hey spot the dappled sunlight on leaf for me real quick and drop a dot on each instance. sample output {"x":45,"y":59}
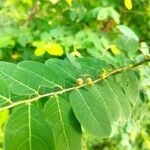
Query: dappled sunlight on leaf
{"x":15,"y":56}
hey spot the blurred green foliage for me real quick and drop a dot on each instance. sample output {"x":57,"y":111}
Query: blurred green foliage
{"x":89,"y":27}
{"x":28,"y":28}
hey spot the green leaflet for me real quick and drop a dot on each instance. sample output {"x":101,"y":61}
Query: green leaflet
{"x":122,"y":98}
{"x":92,"y":67}
{"x":64,"y":68}
{"x":92,"y":115}
{"x":112,"y":97}
{"x":18,"y":81}
{"x":44,"y":75}
{"x":130,"y":85}
{"x":28,"y":77}
{"x":66,"y":129}
{"x":128,"y":32}
{"x":127,"y":44}
{"x":27,"y":129}
{"x":73,"y":61}
{"x":5,"y":97}
{"x":107,"y":97}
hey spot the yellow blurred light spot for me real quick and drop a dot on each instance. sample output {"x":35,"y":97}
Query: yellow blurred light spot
{"x":128,"y":4}
{"x":54,"y":49}
{"x":1,"y":137}
{"x":28,"y":2}
{"x":54,"y":1}
{"x":3,"y":117}
{"x":15,"y":56}
{"x":114,"y":49}
{"x":147,"y":143}
{"x":104,"y":74}
{"x":133,"y":135}
{"x":38,"y":43}
{"x":69,"y":2}
{"x":10,"y":2}
{"x":39,"y":51}
{"x":76,"y":53}
{"x":131,"y":65}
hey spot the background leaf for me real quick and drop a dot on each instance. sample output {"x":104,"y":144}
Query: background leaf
{"x":128,"y":32}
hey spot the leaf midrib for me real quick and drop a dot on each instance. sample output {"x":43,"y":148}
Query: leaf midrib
{"x":62,"y":122}
{"x":6,"y":99}
{"x":19,"y":82}
{"x":64,"y":71}
{"x":29,"y":129}
{"x":26,"y":69}
{"x":88,"y":107}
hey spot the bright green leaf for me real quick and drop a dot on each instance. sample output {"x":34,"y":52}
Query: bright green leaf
{"x":127,"y":32}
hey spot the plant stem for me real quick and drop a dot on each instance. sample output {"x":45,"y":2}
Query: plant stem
{"x":102,"y":77}
{"x":33,"y":13}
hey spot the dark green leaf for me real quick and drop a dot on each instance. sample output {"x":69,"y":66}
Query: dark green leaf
{"x":92,"y":115}
{"x":66,"y":129}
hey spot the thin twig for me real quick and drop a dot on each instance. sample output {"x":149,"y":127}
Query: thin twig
{"x":34,"y":10}
{"x":113,"y":72}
